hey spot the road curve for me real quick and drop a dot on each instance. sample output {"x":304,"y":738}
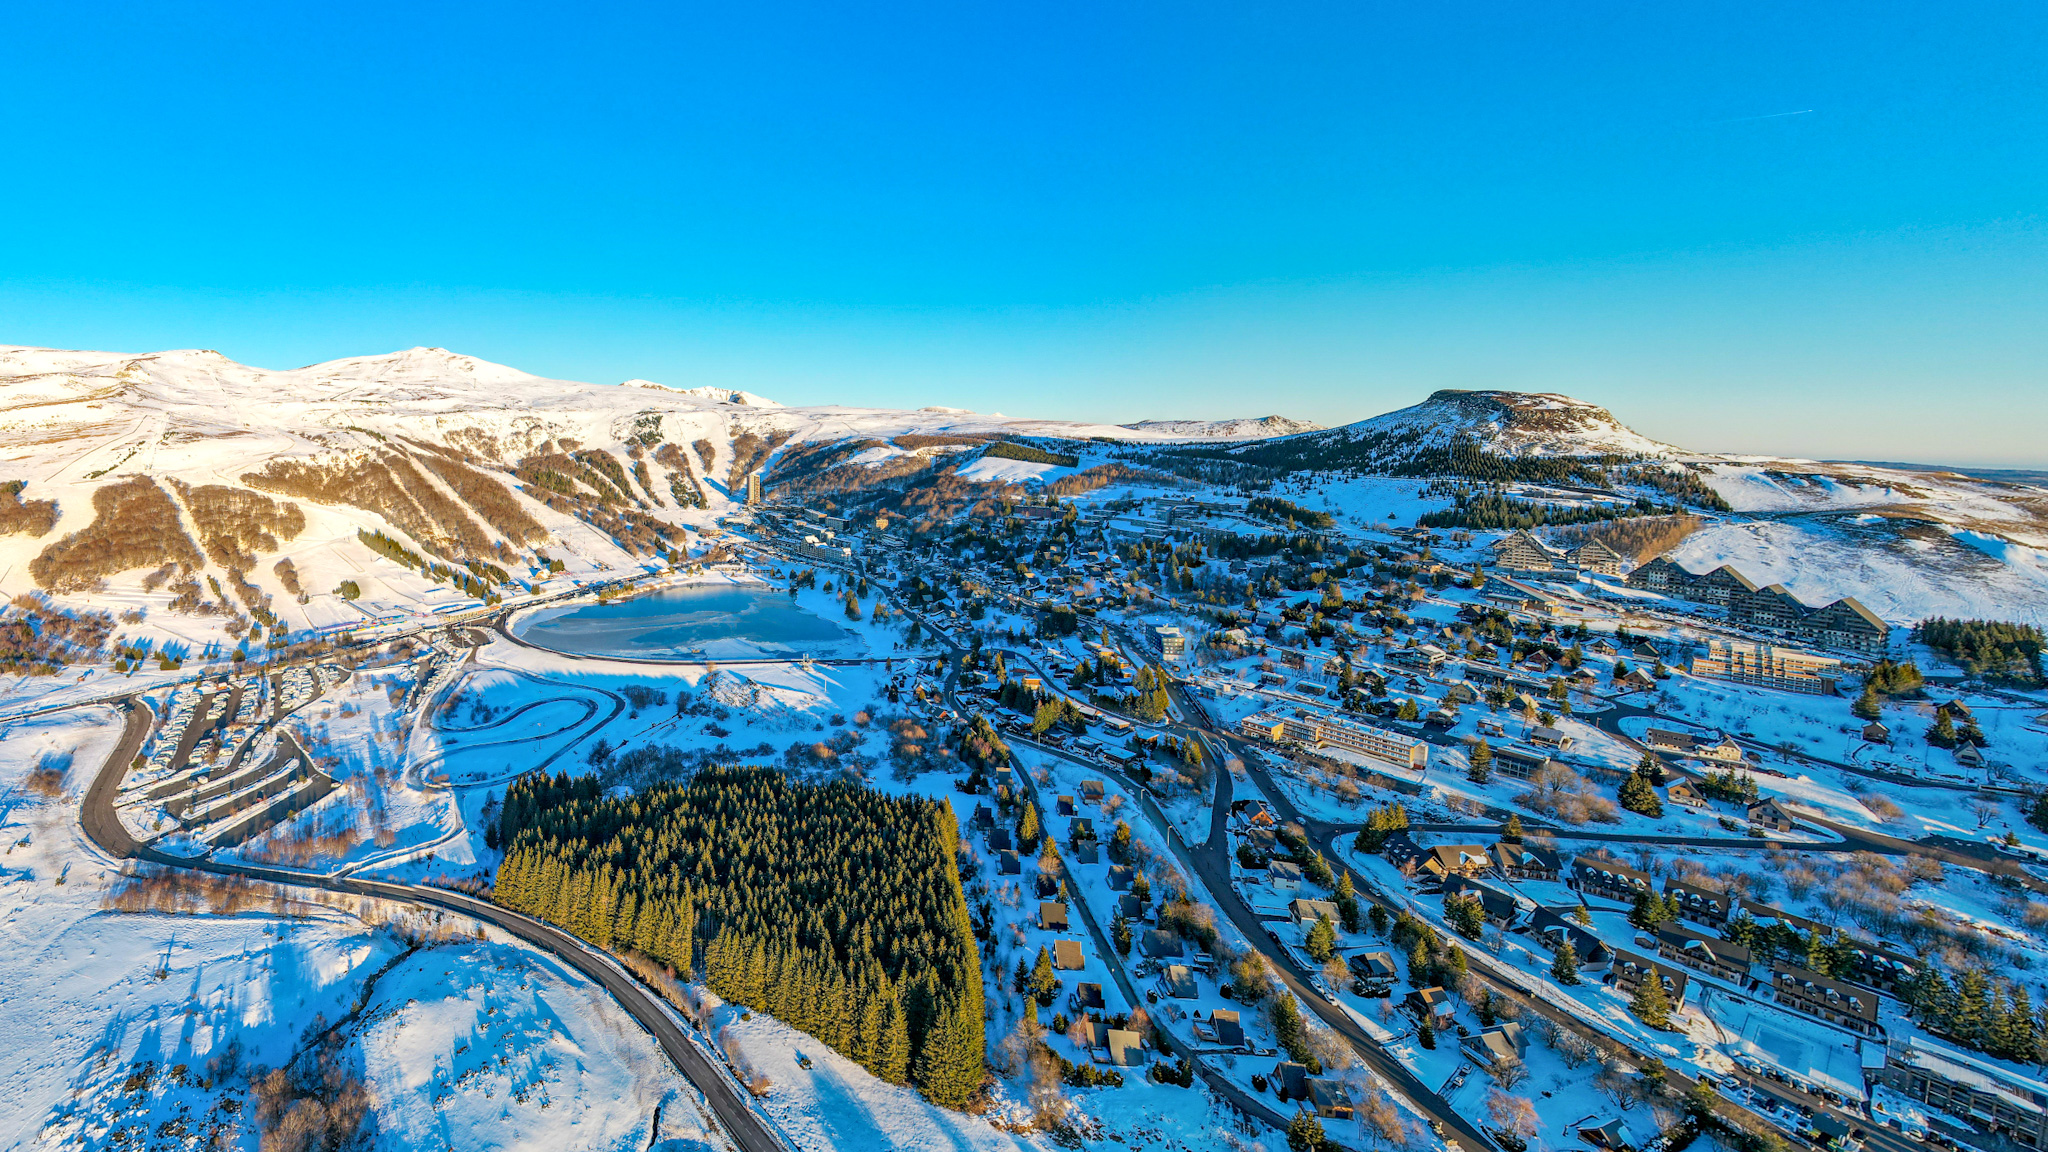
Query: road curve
{"x":100,"y":824}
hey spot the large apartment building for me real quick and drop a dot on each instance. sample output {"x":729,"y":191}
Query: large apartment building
{"x":1981,"y":1093}
{"x":1767,"y":666}
{"x":1321,"y":730}
{"x":1843,"y":623}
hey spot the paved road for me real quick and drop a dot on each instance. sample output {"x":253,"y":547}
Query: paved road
{"x":748,"y":1129}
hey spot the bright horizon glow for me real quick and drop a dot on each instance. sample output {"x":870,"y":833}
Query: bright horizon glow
{"x":1811,"y":233}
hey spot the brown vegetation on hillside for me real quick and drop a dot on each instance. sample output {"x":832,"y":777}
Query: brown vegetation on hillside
{"x":682,"y":483}
{"x":231,"y":521}
{"x":134,"y":525}
{"x":704,"y":452}
{"x":37,"y":639}
{"x":288,"y":575}
{"x":20,"y":517}
{"x":646,"y":481}
{"x":635,"y":531}
{"x":1103,"y":475}
{"x":748,"y":451}
{"x":490,"y":498}
{"x":389,"y":485}
{"x":1637,"y":539}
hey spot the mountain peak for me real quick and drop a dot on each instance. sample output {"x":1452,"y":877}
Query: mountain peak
{"x":1515,"y":424}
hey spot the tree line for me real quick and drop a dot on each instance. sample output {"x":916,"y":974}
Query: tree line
{"x":833,"y":907}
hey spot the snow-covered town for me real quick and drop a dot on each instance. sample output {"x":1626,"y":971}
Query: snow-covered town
{"x":1271,"y":791}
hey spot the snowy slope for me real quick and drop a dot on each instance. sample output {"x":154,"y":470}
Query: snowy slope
{"x":1246,"y":428}
{"x":1505,"y":423}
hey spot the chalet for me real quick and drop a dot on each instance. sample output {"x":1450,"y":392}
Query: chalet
{"x":1723,"y":958}
{"x":1224,"y":1027}
{"x":1519,"y":763}
{"x":1630,"y":970}
{"x":1843,"y":1005}
{"x":1874,"y":966}
{"x":1086,"y":1031}
{"x":1460,"y":693}
{"x":1602,"y":648}
{"x":1433,"y":1005}
{"x":999,"y":840}
{"x":1064,"y":806}
{"x":1497,"y":1045}
{"x":984,"y":819}
{"x":1611,"y":1135}
{"x":1309,"y":911}
{"x":1682,"y":792}
{"x":1130,"y":907}
{"x":1556,"y":929}
{"x":1456,"y":860}
{"x":1401,"y":850}
{"x":1177,"y":982}
{"x":1120,"y":877}
{"x":1606,"y":878}
{"x":1372,"y":965}
{"x":1290,"y":1080}
{"x":1646,"y":651}
{"x":1523,"y":862}
{"x":1501,"y":909}
{"x":1080,"y":828}
{"x":1331,"y":1099}
{"x":1066,"y":956}
{"x":1052,"y":916}
{"x":1767,"y":815}
{"x":1284,"y":876}
{"x":1546,"y":737}
{"x":1161,"y":944}
{"x":1126,"y":1048}
{"x":1087,"y":998}
{"x":1086,"y":852}
{"x":1007,"y":863}
{"x":1427,"y":659}
{"x":1685,"y":744}
{"x":1702,"y":905}
{"x":1876,"y":733}
{"x":1263,"y":840}
{"x":1092,"y":792}
{"x":1636,"y":680}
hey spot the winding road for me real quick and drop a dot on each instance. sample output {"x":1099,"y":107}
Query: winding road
{"x":746,"y":1126}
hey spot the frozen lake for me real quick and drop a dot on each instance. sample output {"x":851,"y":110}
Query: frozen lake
{"x":694,"y":622}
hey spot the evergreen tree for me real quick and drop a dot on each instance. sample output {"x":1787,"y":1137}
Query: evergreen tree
{"x":1972,"y":1018}
{"x":1322,"y":940}
{"x":1637,"y":796}
{"x":1565,"y":968}
{"x":1377,"y":917}
{"x":949,"y":1064}
{"x":1652,"y":1005}
{"x":1868,"y":706}
{"x":1511,"y":832}
{"x":2017,"y":1038}
{"x":1044,"y":984}
{"x":1305,"y":1133}
{"x":1027,"y":827}
{"x":1480,"y":763}
{"x":1943,"y":733}
{"x":1426,"y":1034}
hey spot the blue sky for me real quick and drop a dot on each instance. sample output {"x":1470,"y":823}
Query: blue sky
{"x":1094,"y":211}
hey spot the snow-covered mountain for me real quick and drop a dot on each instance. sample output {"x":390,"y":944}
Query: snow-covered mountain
{"x":1505,"y":424}
{"x":1244,"y":428}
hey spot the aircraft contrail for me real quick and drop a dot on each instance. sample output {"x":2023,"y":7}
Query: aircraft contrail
{"x":1771,"y":116}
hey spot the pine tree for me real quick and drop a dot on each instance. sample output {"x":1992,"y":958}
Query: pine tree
{"x":1322,"y":940}
{"x":1565,"y":968}
{"x":1637,"y":796}
{"x":1972,"y":1017}
{"x":1652,"y":1005}
{"x":1426,"y":1034}
{"x":1305,"y":1133}
{"x":949,"y":1065}
{"x":1868,"y":706}
{"x":1943,"y":733}
{"x":1511,"y":832}
{"x":1480,"y":763}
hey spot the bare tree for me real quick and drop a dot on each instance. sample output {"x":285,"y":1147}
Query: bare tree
{"x":1508,"y":1073}
{"x":1380,"y":1122}
{"x":1514,"y":1115}
{"x":1617,"y":1085}
{"x":1985,"y":811}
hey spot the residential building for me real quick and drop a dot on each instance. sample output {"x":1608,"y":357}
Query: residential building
{"x":1843,"y":624}
{"x":1177,"y":981}
{"x":1161,"y":944}
{"x":1086,"y":998}
{"x":1126,"y":1048}
{"x":1052,"y":916}
{"x":1718,"y":748}
{"x":1322,"y":730}
{"x":1501,"y":909}
{"x":1837,"y":1003}
{"x":1980,"y":1093}
{"x":1630,"y":970}
{"x":1284,"y":875}
{"x":1723,"y":958}
{"x":1702,"y":905}
{"x":1309,"y":911}
{"x":1555,"y":930}
{"x":1169,"y":641}
{"x":1519,"y":763}
{"x":1433,"y":1005}
{"x":1546,"y":737}
{"x":1066,"y":956}
{"x":1609,"y":879}
{"x":1593,"y":556}
{"x":1612,"y":1135}
{"x":1522,"y":862}
{"x":1378,"y":965}
{"x":1290,"y":1080}
{"x":1765,"y":666}
{"x":1498,"y":1044}
{"x":1768,"y":815}
{"x":1427,"y":659}
{"x":1521,"y":551}
{"x":1331,"y":1099}
{"x":1457,"y":860}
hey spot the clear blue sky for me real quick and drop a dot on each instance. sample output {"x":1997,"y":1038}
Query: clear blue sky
{"x":1094,"y":211}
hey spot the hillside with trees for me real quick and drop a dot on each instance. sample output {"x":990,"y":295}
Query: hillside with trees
{"x":832,"y":907}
